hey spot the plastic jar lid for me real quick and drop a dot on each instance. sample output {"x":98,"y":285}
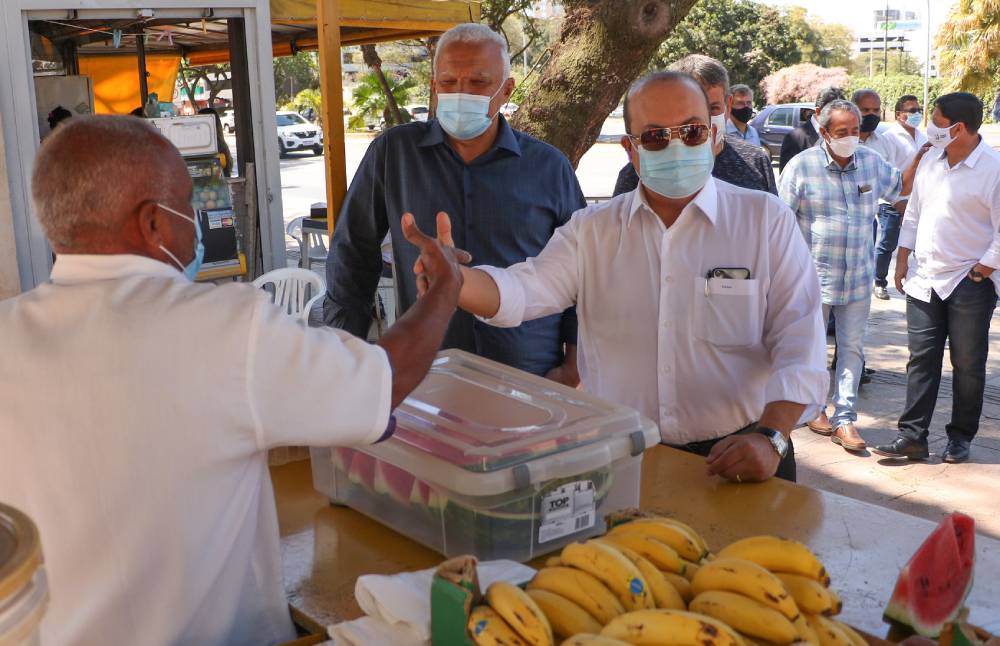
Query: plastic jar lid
{"x":23,"y":588}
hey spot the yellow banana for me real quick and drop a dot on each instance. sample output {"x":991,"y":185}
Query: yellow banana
{"x":520,"y":612}
{"x":682,"y":585}
{"x":675,"y":627}
{"x":806,"y":633}
{"x":810,"y":595}
{"x":660,"y":554}
{"x":690,"y":569}
{"x":613,"y":569}
{"x":487,"y":628}
{"x":745,"y":615}
{"x":835,"y":601}
{"x":553,"y":561}
{"x":592,"y":640}
{"x":851,"y":634}
{"x":829,"y":633}
{"x":778,"y":555}
{"x":565,"y":617}
{"x":582,"y":588}
{"x":684,"y":543}
{"x":665,"y":595}
{"x":749,"y":579}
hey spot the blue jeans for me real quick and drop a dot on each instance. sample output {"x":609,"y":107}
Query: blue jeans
{"x":852,"y":323}
{"x":888,"y":223}
{"x":963,"y":319}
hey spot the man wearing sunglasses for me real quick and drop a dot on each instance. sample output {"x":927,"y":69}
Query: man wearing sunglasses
{"x":697,"y":300}
{"x":737,"y":161}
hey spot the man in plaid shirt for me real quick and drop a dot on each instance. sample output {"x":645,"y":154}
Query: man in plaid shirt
{"x":834,"y":189}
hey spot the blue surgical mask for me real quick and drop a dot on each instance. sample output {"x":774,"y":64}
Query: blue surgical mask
{"x":465,"y":116}
{"x":676,"y":171}
{"x":914,"y":119}
{"x":191,"y":269}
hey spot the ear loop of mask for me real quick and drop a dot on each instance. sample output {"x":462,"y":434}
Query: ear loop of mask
{"x":190,"y":219}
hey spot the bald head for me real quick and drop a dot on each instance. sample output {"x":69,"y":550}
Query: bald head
{"x":652,"y":101}
{"x":93,"y":173}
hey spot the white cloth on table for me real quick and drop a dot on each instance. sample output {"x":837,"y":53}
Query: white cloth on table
{"x":398,"y":606}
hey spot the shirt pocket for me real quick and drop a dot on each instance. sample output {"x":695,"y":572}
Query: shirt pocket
{"x":727,"y":312}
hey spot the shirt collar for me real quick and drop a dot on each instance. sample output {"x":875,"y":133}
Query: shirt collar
{"x":505,"y":136}
{"x":971,"y":160}
{"x":705,"y":201}
{"x":73,"y":269}
{"x":815,"y":123}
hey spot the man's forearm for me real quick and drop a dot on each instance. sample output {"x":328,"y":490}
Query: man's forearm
{"x":782,"y":416}
{"x":480,"y":295}
{"x":902,"y":255}
{"x":413,"y":341}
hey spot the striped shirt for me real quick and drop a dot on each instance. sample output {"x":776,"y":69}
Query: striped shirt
{"x":835,"y":207}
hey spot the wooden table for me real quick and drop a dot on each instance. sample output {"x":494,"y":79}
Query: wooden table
{"x":325,"y":548}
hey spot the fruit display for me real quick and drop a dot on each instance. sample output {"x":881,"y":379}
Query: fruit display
{"x":653,"y":580}
{"x":935,"y":582}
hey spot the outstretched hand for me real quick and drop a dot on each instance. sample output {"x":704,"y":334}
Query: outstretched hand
{"x":439,"y":259}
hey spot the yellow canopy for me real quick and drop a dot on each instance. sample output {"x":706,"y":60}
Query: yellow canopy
{"x":436,"y":15}
{"x":116,"y":79}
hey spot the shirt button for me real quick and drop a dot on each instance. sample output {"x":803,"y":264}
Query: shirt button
{"x":669,"y":279}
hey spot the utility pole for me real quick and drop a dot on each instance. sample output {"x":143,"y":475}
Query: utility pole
{"x":885,"y":41}
{"x":927,"y":62}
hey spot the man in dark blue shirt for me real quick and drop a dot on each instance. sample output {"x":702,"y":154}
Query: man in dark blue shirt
{"x":505,"y":192}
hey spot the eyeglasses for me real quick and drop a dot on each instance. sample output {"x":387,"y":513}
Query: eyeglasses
{"x":691,"y":134}
{"x":911,"y":110}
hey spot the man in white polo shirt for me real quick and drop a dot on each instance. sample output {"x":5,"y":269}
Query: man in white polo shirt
{"x":949,"y":249}
{"x":137,"y":407}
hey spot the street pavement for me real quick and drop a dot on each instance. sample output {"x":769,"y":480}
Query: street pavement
{"x":928,"y":489}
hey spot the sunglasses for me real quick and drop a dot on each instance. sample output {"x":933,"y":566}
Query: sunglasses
{"x":692,"y":134}
{"x":911,"y":110}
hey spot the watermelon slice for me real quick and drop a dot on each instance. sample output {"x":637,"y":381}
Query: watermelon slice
{"x":420,"y":493}
{"x":393,"y":481}
{"x":362,"y":471}
{"x":933,"y":586}
{"x":342,"y":459}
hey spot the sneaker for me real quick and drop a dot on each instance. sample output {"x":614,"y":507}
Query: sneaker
{"x":881,"y":293}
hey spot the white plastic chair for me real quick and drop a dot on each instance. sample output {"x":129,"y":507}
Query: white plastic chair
{"x":292,"y":287}
{"x":311,"y":246}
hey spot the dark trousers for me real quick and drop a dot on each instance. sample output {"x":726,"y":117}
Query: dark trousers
{"x":886,"y":237}
{"x":963,"y":319}
{"x":786,"y":468}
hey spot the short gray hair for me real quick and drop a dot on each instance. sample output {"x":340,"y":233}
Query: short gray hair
{"x":863,"y":92}
{"x":474,"y":33}
{"x":91,"y":172}
{"x":837,"y":105}
{"x":742,"y":90}
{"x":705,"y":69}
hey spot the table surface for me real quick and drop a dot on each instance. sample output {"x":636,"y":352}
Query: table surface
{"x":325,"y":548}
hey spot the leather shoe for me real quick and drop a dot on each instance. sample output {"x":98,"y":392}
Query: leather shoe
{"x":848,"y":437}
{"x":881,"y":293}
{"x":957,"y":452}
{"x":821,"y":425}
{"x":903,"y":448}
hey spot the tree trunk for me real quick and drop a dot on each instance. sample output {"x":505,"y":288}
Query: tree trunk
{"x":431,"y":44}
{"x":373,"y":61}
{"x":603,"y":47}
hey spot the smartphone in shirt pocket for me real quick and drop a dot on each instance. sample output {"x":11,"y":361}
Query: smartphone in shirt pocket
{"x":727,"y":308}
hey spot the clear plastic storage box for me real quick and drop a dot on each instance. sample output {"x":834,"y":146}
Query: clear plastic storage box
{"x":492,"y":461}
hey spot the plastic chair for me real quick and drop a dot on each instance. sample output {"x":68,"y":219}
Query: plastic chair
{"x":291,"y":285}
{"x":311,"y":246}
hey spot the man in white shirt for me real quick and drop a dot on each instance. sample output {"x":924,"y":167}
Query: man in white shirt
{"x":137,"y":407}
{"x":949,"y":249}
{"x":698,"y":301}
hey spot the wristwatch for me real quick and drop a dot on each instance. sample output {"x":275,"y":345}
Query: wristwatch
{"x":776,"y":438}
{"x":976,"y":276}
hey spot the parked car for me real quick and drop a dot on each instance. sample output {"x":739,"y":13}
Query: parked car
{"x":776,"y":121}
{"x":228,"y":120}
{"x":418,"y":112}
{"x":508,"y":110}
{"x":296,"y":133}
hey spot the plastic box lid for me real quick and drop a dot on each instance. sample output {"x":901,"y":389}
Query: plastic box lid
{"x":193,"y":135}
{"x":481,"y":427}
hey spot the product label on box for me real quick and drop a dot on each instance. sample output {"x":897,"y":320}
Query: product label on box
{"x":567,"y":510}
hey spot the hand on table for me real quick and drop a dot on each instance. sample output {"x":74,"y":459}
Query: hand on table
{"x":439,"y":261}
{"x":743,"y":458}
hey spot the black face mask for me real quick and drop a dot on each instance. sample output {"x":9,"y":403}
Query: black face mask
{"x":869,"y":122}
{"x":743,"y":115}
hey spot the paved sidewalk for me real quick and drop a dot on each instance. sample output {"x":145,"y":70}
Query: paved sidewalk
{"x":923,"y":489}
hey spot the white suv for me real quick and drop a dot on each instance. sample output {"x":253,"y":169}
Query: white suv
{"x":296,"y":133}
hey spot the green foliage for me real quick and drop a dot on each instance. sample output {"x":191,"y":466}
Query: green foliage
{"x":900,"y":63}
{"x":309,"y":98}
{"x":292,"y":74}
{"x":515,"y":21}
{"x":894,"y":86}
{"x":369,"y":100}
{"x":969,"y":46}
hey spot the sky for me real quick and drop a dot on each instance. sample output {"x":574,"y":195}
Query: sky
{"x":858,"y":15}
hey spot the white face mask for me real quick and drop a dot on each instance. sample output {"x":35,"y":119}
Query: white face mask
{"x":940,"y":138}
{"x":843,"y":147}
{"x":719,"y":121}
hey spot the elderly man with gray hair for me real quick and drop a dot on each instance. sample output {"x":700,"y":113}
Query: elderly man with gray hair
{"x":834,"y":189}
{"x":138,"y":407}
{"x":506,"y":193}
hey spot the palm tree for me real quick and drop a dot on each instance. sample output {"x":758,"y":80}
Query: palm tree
{"x":969,"y":43}
{"x":369,"y":98}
